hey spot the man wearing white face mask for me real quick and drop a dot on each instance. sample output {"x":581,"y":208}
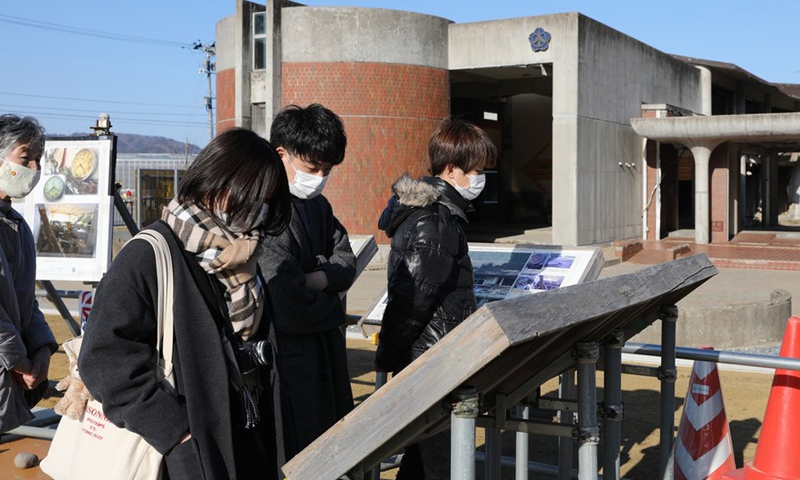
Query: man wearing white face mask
{"x":305,"y":269}
{"x":26,"y":341}
{"x":429,"y":268}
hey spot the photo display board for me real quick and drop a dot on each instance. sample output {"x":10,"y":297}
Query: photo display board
{"x":70,"y":210}
{"x":507,"y":271}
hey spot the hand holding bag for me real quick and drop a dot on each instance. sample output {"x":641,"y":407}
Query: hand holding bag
{"x":93,"y":448}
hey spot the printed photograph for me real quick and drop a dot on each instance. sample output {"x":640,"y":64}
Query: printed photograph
{"x":66,"y":230}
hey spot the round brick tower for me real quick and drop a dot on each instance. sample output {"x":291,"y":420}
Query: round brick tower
{"x":390,"y":95}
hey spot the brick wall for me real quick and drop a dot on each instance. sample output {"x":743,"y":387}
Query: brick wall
{"x":389,"y":112}
{"x":226,"y":99}
{"x":719,"y":172}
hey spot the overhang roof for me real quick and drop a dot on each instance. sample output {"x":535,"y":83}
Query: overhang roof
{"x":714,"y":130}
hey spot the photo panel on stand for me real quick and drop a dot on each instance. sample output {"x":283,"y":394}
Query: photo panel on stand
{"x":70,"y":210}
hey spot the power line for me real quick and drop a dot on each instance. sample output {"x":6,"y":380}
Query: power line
{"x":137,"y":121}
{"x":95,"y":100}
{"x":49,"y":108}
{"x":25,"y":22}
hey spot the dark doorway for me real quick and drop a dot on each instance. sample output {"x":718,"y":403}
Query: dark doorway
{"x":685,"y":204}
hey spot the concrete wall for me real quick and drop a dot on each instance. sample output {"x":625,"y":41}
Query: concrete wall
{"x":601,"y":78}
{"x":385,"y":73}
{"x":752,"y":323}
{"x":234,"y":61}
{"x":617,"y":74}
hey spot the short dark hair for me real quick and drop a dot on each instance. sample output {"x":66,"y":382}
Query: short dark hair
{"x":16,"y":130}
{"x":243,"y":167}
{"x":314,"y":133}
{"x":462,"y":144}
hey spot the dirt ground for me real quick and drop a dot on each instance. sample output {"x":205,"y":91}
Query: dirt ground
{"x":745,"y":396}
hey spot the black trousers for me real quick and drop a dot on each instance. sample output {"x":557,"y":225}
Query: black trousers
{"x":428,"y":459}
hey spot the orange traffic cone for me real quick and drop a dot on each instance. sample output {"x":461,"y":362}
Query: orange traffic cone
{"x":778,"y":450}
{"x":703,"y":449}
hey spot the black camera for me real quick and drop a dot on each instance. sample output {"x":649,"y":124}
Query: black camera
{"x":260,"y":352}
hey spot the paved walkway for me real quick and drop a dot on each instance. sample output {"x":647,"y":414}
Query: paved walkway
{"x":773,"y":250}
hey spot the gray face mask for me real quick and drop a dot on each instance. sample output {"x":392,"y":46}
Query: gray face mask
{"x":252,"y":221}
{"x":17,"y":181}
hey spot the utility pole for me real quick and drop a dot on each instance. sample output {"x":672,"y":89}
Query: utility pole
{"x":208,"y":69}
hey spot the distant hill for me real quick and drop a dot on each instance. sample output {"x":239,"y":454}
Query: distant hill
{"x":134,"y":143}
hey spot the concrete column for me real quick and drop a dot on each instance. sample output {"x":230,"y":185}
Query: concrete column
{"x":702,"y":212}
{"x":705,"y":89}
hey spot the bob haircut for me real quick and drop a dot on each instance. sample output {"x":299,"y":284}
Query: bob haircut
{"x":15,"y":130}
{"x":314,"y":133}
{"x":241,"y":170}
{"x":462,"y":144}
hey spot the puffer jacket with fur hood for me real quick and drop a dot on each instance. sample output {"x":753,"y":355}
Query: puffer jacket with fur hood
{"x":429,"y":269}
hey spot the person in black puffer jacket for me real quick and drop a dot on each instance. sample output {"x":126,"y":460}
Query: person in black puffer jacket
{"x":430,"y":289}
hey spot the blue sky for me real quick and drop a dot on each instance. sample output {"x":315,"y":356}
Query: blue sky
{"x":135,"y":60}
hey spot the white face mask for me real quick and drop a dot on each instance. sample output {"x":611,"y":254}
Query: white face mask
{"x":476,"y":184}
{"x":305,"y":185}
{"x":245,"y":226}
{"x":17,"y":181}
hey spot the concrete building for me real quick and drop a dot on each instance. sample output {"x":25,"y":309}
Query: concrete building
{"x":557,"y":93}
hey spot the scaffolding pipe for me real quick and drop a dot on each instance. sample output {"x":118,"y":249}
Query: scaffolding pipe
{"x":717,"y":356}
{"x":462,"y":419}
{"x":669,"y":316}
{"x":492,"y":442}
{"x":566,"y":389}
{"x":587,"y":354}
{"x":521,"y":466}
{"x":537,"y":467}
{"x":612,"y":403}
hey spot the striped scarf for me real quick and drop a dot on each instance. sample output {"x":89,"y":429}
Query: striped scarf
{"x":231,"y":257}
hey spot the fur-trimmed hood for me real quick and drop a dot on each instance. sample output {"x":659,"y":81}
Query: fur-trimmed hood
{"x":414,"y":193}
{"x":410,"y":195}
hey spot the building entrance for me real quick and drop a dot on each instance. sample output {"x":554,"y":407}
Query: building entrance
{"x":513,"y":104}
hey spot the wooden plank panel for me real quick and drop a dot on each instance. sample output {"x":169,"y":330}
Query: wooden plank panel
{"x":500,"y":346}
{"x":404,"y":398}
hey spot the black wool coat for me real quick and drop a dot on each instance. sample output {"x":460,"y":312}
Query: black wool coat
{"x":312,"y":391}
{"x":116,"y":365}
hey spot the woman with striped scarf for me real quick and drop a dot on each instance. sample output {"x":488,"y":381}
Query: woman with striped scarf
{"x":217,"y":423}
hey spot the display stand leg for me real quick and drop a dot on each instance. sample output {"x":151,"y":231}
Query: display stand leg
{"x":55,"y":298}
{"x":521,"y":463}
{"x":462,"y":450}
{"x":587,"y":354}
{"x":667,"y":374}
{"x":612,"y":404}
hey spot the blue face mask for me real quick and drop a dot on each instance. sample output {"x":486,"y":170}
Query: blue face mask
{"x":476,"y":184}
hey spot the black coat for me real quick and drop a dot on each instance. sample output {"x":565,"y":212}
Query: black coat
{"x":429,"y":270}
{"x":313,"y":387}
{"x":116,"y":365}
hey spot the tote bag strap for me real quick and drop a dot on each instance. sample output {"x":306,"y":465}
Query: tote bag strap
{"x":166,"y":333}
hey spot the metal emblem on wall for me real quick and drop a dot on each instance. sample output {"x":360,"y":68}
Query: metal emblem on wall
{"x":540,"y":40}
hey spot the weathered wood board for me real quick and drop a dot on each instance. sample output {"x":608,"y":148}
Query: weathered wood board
{"x":497,"y":350}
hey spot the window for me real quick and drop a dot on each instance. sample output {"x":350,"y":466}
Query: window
{"x":259,"y":41}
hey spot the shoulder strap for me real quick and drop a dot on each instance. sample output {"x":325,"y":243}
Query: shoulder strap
{"x":165,"y":334}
